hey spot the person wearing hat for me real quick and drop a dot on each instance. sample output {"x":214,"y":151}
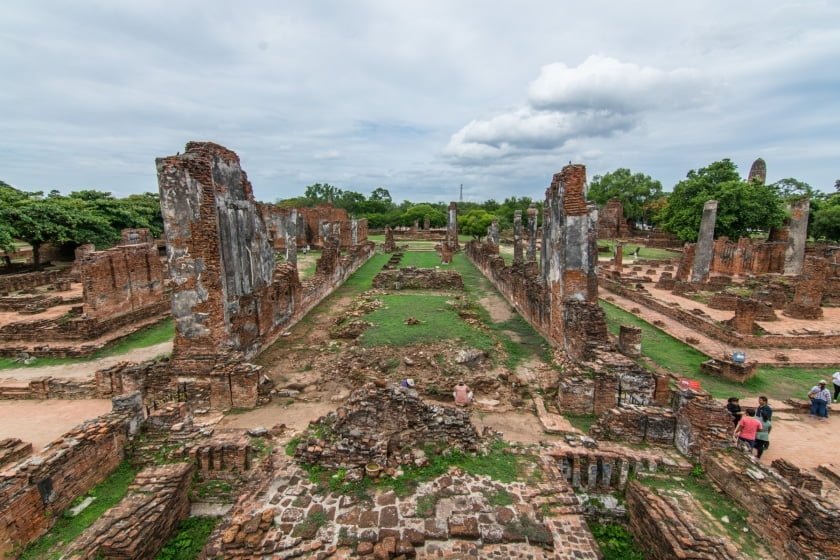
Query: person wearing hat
{"x":819,"y":396}
{"x":407,"y":383}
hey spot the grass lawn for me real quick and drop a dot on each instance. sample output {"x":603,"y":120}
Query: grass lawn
{"x":438,"y":321}
{"x":644,"y":252}
{"x":154,"y":334}
{"x":683,"y":360}
{"x":107,"y":493}
{"x":424,"y":259}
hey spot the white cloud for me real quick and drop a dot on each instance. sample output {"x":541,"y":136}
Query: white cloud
{"x":598,"y":98}
{"x":604,"y":83}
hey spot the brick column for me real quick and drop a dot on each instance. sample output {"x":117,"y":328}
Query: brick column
{"x":531,"y":254}
{"x":630,"y":341}
{"x":795,"y":251}
{"x":618,"y":262}
{"x":517,"y":237}
{"x":809,"y":292}
{"x":705,"y":243}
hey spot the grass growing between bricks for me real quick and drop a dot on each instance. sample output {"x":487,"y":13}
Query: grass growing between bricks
{"x":189,"y":538}
{"x":108,"y":493}
{"x":616,"y":542}
{"x":717,"y":504}
{"x":681,"y":359}
{"x":163,"y":331}
{"x":644,"y":252}
{"x":499,"y":463}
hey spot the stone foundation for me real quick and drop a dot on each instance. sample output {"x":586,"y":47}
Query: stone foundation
{"x":411,"y":278}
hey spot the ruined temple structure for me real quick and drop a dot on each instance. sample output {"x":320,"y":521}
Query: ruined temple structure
{"x":559,"y":298}
{"x":229,"y":298}
{"x":611,"y":221}
{"x":390,"y":245}
{"x":758,"y":171}
{"x":306,"y":226}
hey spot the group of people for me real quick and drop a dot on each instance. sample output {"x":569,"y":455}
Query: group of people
{"x":752,"y":425}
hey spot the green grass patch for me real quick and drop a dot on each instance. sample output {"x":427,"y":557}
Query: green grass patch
{"x":716,"y":503}
{"x":107,"y":493}
{"x":581,"y":421}
{"x":616,"y":542}
{"x":427,"y":504}
{"x":190,"y":536}
{"x":212,"y":489}
{"x":684,"y":361}
{"x":421,"y":259}
{"x":499,"y":498}
{"x":438,"y":321}
{"x":149,"y":336}
{"x":644,"y":252}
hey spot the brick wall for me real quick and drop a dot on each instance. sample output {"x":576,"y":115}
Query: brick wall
{"x":121,"y":280}
{"x":795,"y":522}
{"x":34,"y":492}
{"x":143,"y":521}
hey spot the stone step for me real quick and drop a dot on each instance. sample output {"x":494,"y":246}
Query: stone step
{"x":552,"y":423}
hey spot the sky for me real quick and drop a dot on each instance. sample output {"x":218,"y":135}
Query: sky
{"x":417,"y":97}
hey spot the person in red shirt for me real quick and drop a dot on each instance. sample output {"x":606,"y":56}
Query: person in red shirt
{"x":747,"y":427}
{"x":462,"y":394}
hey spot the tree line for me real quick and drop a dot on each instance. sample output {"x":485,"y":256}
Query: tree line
{"x":746,"y":207}
{"x":86,"y":216}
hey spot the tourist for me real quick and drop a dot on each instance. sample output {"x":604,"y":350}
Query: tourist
{"x":746,"y":429}
{"x":762,"y":436}
{"x":835,"y":377}
{"x":462,"y":394}
{"x":734,"y":409}
{"x":763,"y":411}
{"x":407,"y":383}
{"x":819,"y":396}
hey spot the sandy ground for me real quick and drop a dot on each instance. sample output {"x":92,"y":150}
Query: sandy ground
{"x":87,"y":369}
{"x":518,"y":427}
{"x":712,"y":347}
{"x":295,"y":416}
{"x":805,"y":441}
{"x":40,"y":422}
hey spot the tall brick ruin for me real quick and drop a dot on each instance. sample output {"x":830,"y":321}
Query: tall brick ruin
{"x":611,"y":221}
{"x":531,"y":254}
{"x":452,"y":227}
{"x":758,"y":171}
{"x":797,"y":236}
{"x":225,"y":301}
{"x":704,"y":249}
{"x":570,"y":237}
{"x":517,"y":237}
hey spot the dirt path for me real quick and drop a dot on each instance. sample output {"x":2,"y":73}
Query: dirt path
{"x":40,"y":422}
{"x":712,"y":347}
{"x":86,"y":369}
{"x":295,"y":416}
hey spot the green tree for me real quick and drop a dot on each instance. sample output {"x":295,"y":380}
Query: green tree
{"x":37,"y":219}
{"x":743,"y":207}
{"x":793,"y":189}
{"x":418,"y":212}
{"x":320,"y":193}
{"x":475,"y":222}
{"x":636,"y":191}
{"x":826,"y":223}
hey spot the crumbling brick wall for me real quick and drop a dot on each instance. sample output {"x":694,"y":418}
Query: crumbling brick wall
{"x":703,"y":426}
{"x":611,"y":221}
{"x":665,"y":531}
{"x":30,"y":280}
{"x":795,"y":522}
{"x":34,"y":492}
{"x":121,"y":280}
{"x":411,"y":278}
{"x":143,"y":521}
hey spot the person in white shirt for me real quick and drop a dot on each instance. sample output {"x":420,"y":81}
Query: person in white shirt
{"x":820,"y":398}
{"x":835,"y":377}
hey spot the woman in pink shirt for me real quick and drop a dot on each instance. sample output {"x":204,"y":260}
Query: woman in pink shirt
{"x":747,"y":427}
{"x":462,"y":394}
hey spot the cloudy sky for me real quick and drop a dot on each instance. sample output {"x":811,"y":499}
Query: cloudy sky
{"x":417,"y":97}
